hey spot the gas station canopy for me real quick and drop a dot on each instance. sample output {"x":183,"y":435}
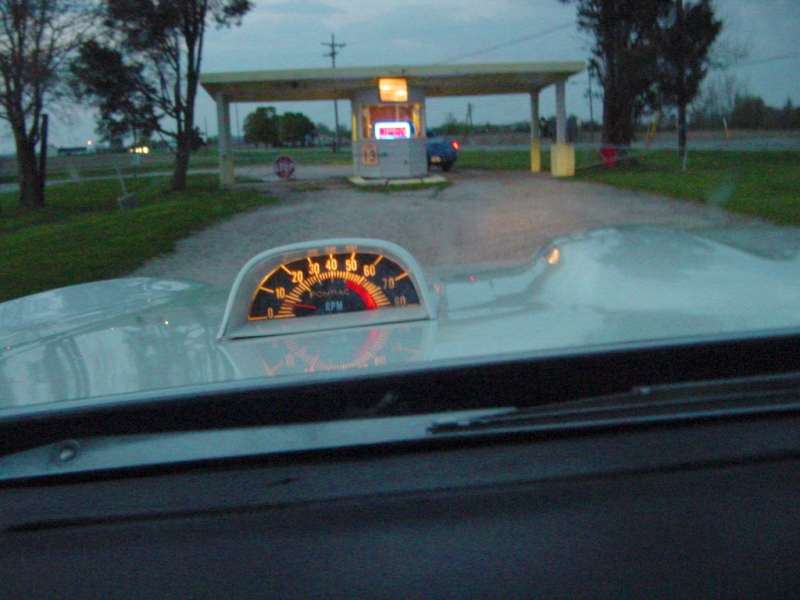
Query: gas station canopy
{"x":343,"y":83}
{"x":388,"y":106}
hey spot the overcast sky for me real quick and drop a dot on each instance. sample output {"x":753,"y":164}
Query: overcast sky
{"x":284,"y":34}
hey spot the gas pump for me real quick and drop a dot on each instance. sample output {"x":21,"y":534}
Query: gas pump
{"x":389,"y":131}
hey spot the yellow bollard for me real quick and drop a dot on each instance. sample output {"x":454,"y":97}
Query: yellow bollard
{"x":562,"y":160}
{"x":536,"y":156}
{"x":226,"y":176}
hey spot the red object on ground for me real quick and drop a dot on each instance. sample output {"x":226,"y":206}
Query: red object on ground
{"x":284,"y":167}
{"x":608,"y":154}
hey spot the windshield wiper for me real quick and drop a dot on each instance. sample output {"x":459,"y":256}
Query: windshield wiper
{"x":103,"y":453}
{"x":642,"y":405}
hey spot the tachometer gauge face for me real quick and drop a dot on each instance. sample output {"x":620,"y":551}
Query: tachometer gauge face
{"x":352,"y":282}
{"x":331,"y":284}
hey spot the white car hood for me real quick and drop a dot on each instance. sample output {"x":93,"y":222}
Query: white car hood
{"x":135,"y":338}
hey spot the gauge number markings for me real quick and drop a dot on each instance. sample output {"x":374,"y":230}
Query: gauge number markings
{"x":303,"y":287}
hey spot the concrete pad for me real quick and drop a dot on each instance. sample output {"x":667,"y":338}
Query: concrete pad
{"x":429,"y":180}
{"x":435,"y":179}
{"x":360,"y":181}
{"x":417,"y":181}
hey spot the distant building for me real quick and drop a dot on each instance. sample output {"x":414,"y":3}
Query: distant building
{"x":69,"y":151}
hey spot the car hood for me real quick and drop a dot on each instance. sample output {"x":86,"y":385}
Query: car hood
{"x":134,"y":338}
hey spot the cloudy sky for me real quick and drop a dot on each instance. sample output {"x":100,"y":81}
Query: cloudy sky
{"x":284,"y":34}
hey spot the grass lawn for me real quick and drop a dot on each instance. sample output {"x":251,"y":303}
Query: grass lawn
{"x":81,"y":235}
{"x":765,"y":184}
{"x":100,"y":165}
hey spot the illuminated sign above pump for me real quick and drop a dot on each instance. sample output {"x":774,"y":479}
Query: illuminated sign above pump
{"x":392,"y":130}
{"x":393,"y":89}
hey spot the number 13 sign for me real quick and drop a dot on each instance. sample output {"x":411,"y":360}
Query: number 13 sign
{"x":369,"y":154}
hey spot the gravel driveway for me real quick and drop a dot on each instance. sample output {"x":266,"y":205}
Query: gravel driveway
{"x":482,"y":217}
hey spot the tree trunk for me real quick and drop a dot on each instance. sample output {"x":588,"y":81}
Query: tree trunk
{"x":681,"y":81}
{"x":181,"y":169}
{"x":682,"y":129}
{"x":618,"y":101}
{"x":618,"y":121}
{"x":185,"y":133}
{"x":31,"y":190}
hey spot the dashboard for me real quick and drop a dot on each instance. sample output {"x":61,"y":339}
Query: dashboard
{"x":673,"y":508}
{"x":252,"y":484}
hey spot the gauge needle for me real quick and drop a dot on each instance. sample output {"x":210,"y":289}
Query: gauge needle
{"x":298,"y":305}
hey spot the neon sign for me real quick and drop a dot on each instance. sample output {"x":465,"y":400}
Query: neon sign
{"x":392,"y":130}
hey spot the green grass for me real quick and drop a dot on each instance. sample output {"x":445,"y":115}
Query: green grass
{"x":308,"y":156}
{"x":763,"y":184}
{"x":102,"y":165}
{"x":82,"y":235}
{"x":66,"y":201}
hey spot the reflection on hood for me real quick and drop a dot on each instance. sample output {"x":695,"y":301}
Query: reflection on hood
{"x":599,"y":289}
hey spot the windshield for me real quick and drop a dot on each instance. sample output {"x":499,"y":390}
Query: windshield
{"x":311,"y":193}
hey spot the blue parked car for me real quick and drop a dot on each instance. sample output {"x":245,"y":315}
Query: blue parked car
{"x":441,"y":152}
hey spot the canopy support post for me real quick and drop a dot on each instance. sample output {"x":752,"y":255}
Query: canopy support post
{"x":226,"y":177}
{"x":562,"y":155}
{"x":536,"y":134}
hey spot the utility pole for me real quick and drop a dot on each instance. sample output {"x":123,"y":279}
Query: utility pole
{"x":591,"y":108}
{"x":43,"y":156}
{"x":238,"y":129}
{"x":333,"y":46}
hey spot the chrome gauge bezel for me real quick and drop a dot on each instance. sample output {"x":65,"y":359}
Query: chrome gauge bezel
{"x":235,"y":322}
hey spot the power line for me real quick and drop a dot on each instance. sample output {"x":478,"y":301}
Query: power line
{"x":519,"y":40}
{"x":768,"y":59}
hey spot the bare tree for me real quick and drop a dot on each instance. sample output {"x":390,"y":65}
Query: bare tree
{"x":720,"y":90}
{"x":717,"y":100}
{"x":37,"y":40}
{"x":144,"y":69}
{"x":727,"y":51}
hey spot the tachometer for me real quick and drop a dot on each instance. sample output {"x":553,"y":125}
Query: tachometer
{"x":333,"y":283}
{"x":350,"y":282}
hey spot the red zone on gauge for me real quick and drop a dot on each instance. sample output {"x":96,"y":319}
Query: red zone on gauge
{"x":335,"y":283}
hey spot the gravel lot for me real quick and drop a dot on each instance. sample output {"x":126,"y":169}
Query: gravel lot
{"x":482,"y":217}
